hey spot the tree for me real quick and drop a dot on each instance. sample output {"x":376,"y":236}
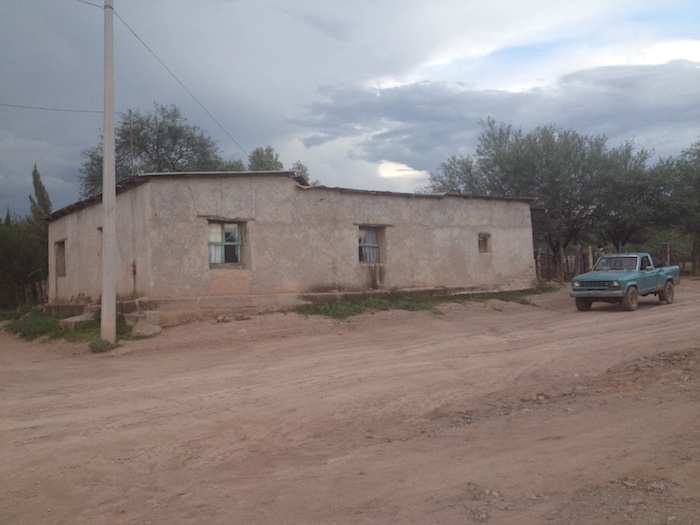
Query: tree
{"x":560,"y":168}
{"x":17,"y":260}
{"x":631,"y":197}
{"x":686,"y":198}
{"x":264,"y":159}
{"x":24,"y":248}
{"x":302,"y":171}
{"x":458,"y":173}
{"x":233,"y":165}
{"x":40,"y":206}
{"x":156,"y":142}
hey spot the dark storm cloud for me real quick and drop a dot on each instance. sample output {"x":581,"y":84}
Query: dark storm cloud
{"x":422,"y":124}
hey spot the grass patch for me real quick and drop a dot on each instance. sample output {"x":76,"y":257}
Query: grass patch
{"x":345,"y":309}
{"x":35,"y":324}
{"x":16,"y":313}
{"x":518,"y":296}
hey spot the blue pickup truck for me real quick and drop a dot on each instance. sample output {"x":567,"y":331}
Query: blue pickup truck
{"x":623,"y":278}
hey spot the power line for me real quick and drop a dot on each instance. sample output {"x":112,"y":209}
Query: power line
{"x":182,"y":85}
{"x":180,"y":82}
{"x":65,"y":110}
{"x":90,"y":3}
{"x":311,"y":223}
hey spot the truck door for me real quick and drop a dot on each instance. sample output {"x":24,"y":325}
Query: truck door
{"x":648,"y":279}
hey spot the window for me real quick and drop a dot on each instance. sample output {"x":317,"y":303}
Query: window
{"x":224,"y":243}
{"x":60,"y":251}
{"x":368,"y":241}
{"x":484,"y":243}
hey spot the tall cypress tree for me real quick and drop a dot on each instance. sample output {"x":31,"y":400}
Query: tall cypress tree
{"x":40,"y":207}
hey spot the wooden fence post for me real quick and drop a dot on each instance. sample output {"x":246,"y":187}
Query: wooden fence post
{"x":666,"y":254}
{"x":561,"y":265}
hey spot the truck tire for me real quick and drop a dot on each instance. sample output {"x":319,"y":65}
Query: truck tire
{"x":667,"y":293}
{"x":583,"y":304}
{"x":631,"y":299}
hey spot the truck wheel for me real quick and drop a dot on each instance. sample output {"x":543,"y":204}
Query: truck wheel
{"x":667,"y":293}
{"x":583,"y":304}
{"x":631,"y":299}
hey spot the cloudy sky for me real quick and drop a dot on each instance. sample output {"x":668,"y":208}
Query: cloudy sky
{"x":370,"y":94}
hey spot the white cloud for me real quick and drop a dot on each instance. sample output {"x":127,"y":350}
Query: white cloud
{"x":397,"y":170}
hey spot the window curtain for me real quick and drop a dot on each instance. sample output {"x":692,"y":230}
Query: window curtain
{"x":215,"y":237}
{"x":369,"y":246}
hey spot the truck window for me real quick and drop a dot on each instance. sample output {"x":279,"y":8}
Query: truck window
{"x":645,"y":262}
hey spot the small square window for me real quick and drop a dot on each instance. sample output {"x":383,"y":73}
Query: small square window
{"x":224,"y":243}
{"x":368,"y":242}
{"x":484,"y":243}
{"x":60,"y":252}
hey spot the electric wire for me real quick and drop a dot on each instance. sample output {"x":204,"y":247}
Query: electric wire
{"x":65,"y":110}
{"x":182,"y":85}
{"x":301,"y":213}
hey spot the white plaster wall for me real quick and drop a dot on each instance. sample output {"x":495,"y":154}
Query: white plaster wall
{"x":305,"y":240}
{"x":295,"y":240}
{"x":82,"y":234}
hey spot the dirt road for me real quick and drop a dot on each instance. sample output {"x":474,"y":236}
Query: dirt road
{"x":489,"y":413}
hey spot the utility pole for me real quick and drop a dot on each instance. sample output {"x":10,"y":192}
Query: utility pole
{"x":108,"y":320}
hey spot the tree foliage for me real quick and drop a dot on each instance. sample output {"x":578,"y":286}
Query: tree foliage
{"x":686,"y":198}
{"x":16,"y":258}
{"x":264,"y":159}
{"x":162,"y":141}
{"x":579,"y":184}
{"x":24,"y":246}
{"x":686,"y":195}
{"x":156,"y":142}
{"x":40,"y":206}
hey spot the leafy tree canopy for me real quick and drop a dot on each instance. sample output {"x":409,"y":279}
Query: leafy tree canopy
{"x":156,"y":142}
{"x":686,"y":195}
{"x":24,"y":247}
{"x":579,"y":184}
{"x":264,"y":159}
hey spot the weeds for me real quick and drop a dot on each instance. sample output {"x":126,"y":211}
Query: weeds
{"x":16,"y":313}
{"x":35,"y":324}
{"x":101,"y":345}
{"x":345,"y":309}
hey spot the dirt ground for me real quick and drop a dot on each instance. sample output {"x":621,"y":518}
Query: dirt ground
{"x":486,"y":413}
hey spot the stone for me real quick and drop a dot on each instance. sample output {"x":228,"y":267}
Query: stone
{"x":71,"y":322}
{"x":144,"y":328}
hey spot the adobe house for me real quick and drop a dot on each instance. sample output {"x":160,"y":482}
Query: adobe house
{"x":196,"y":245}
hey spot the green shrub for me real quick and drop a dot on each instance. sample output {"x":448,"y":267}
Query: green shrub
{"x":101,"y":345}
{"x":35,"y":324}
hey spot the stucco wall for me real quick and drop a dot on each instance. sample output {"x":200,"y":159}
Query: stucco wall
{"x":81,"y":232}
{"x":305,"y":239}
{"x":295,"y":240}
